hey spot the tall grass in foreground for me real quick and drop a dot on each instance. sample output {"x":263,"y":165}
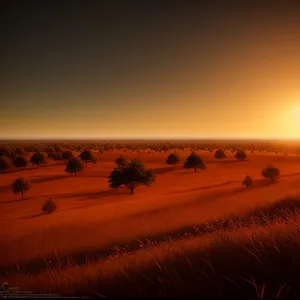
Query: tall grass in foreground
{"x":261,"y":260}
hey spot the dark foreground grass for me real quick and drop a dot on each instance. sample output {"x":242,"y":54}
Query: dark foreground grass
{"x":261,"y":260}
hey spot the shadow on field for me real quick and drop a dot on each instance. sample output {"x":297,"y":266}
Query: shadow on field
{"x":160,"y":171}
{"x":231,"y":161}
{"x":42,"y":179}
{"x":33,"y":216}
{"x":95,"y":194}
{"x":284,"y":209}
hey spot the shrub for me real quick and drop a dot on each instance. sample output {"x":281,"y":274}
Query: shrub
{"x":49,"y":206}
{"x":248,"y":181}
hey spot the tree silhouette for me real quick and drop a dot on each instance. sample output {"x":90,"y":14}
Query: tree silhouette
{"x":172,"y":159}
{"x":56,"y":156}
{"x":121,"y":161}
{"x":19,"y":151}
{"x":49,"y":206}
{"x":131,"y":176}
{"x":194,"y":161}
{"x":240,"y":154}
{"x":88,"y":156}
{"x":20,"y":185}
{"x":5,"y":163}
{"x":74,"y":165}
{"x":219,"y":154}
{"x":67,"y":155}
{"x":5,"y":151}
{"x":271,"y":173}
{"x":38,"y":158}
{"x":248,"y":181}
{"x":20,"y":161}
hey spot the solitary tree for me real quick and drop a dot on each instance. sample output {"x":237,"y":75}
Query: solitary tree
{"x":240,"y":154}
{"x":121,"y":161}
{"x":20,"y":161}
{"x":56,"y":156}
{"x":74,"y":165}
{"x":271,"y":173}
{"x":172,"y":159}
{"x":5,"y":163}
{"x":194,"y":161}
{"x":88,"y":156}
{"x":38,"y":158}
{"x":219,"y":154}
{"x":20,"y":185}
{"x":67,"y":155}
{"x":248,"y":181}
{"x":131,"y":176}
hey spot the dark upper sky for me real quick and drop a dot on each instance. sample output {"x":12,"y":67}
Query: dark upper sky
{"x":149,"y":68}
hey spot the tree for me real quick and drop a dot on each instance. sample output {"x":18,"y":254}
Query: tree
{"x":88,"y":156}
{"x":271,"y":173}
{"x":172,"y":159}
{"x":56,"y":156}
{"x":121,"y":161}
{"x":194,"y":161}
{"x":19,"y":151}
{"x":74,"y":165}
{"x":240,"y":154}
{"x":67,"y":155}
{"x":38,"y":158}
{"x":49,"y":150}
{"x":20,"y":161}
{"x":131,"y":176}
{"x":248,"y":181}
{"x":20,"y":185}
{"x":219,"y":154}
{"x":49,"y":206}
{"x":5,"y":163}
{"x":101,"y":150}
{"x":5,"y":151}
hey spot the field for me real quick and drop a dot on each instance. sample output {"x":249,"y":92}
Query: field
{"x":108,"y":242}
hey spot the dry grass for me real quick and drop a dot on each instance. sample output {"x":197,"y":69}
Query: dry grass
{"x":243,"y":260}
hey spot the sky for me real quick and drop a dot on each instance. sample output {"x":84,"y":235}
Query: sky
{"x":177,"y":69}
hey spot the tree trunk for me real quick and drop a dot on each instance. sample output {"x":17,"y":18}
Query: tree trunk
{"x":75,"y":174}
{"x":195,"y":169}
{"x":131,"y":189}
{"x":22,"y":195}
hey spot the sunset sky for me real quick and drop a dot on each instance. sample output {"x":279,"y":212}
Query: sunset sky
{"x":150,"y":69}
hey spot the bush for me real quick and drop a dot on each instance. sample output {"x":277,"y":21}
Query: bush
{"x":172,"y":159}
{"x":248,"y":181}
{"x":131,"y":176}
{"x":219,"y":154}
{"x":49,"y":206}
{"x":240,"y":154}
{"x":20,"y":185}
{"x":5,"y":163}
{"x":194,"y":161}
{"x":271,"y":173}
{"x":74,"y":165}
{"x":20,"y":162}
